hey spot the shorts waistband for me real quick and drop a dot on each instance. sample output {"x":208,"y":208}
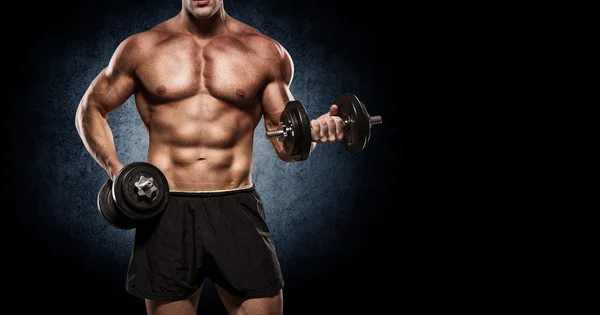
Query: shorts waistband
{"x":206,"y":193}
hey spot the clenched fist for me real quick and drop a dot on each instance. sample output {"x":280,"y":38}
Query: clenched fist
{"x":328,"y":128}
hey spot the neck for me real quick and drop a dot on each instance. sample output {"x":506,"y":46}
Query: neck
{"x":212,"y":26}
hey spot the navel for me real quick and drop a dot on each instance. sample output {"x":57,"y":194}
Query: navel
{"x":240,"y":93}
{"x":161,"y":89}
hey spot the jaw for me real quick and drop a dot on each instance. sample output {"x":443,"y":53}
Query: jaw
{"x":203,"y":11}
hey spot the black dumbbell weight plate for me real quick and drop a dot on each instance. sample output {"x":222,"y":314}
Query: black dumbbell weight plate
{"x":296,"y":117}
{"x":127,"y":198}
{"x":357,"y":130}
{"x":108,"y":209}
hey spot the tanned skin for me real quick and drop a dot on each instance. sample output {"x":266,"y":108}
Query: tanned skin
{"x":202,"y":81}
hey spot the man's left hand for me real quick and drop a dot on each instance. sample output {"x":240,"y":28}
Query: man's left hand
{"x":327,"y":128}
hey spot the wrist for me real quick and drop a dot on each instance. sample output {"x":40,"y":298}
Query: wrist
{"x":113,"y":169}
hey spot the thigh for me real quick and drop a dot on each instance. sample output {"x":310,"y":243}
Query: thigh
{"x":188,"y":306}
{"x":164,"y":262}
{"x":272,"y":305}
{"x":241,"y":256}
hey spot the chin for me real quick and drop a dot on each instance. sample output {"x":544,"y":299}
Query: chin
{"x":203,"y":13}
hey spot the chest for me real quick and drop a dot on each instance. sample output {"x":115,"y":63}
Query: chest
{"x":226,"y":70}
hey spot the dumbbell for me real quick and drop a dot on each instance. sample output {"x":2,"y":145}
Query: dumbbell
{"x":295,"y":126}
{"x":140,"y":192}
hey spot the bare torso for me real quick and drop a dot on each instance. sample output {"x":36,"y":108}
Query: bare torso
{"x":199,"y":99}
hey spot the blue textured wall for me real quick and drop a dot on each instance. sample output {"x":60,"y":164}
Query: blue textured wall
{"x":322,"y":212}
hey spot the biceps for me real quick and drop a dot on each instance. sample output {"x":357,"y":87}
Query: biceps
{"x":274,"y":98}
{"x":109,"y":91}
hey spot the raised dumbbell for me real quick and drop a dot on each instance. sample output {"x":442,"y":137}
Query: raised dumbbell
{"x":295,"y":126}
{"x":140,"y":191}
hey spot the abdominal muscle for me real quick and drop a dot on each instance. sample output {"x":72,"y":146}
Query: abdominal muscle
{"x":201,"y":147}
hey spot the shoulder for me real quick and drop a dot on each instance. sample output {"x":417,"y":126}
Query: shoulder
{"x":137,"y":44}
{"x":131,"y":49}
{"x":267,"y":48}
{"x":260,"y":43}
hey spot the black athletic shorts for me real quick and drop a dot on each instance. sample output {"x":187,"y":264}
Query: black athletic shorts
{"x":220,"y":235}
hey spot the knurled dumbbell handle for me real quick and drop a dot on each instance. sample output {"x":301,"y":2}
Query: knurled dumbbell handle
{"x":279,"y":133}
{"x":275,"y":133}
{"x":375,"y":120}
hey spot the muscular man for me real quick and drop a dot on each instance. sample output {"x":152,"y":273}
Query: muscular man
{"x":201,"y":81}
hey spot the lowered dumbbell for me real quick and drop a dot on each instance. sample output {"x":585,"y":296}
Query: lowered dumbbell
{"x":295,"y":126}
{"x":140,"y":191}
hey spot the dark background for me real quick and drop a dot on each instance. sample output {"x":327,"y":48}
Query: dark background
{"x":334,"y":218}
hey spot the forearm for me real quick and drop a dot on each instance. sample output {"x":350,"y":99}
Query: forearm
{"x":92,"y":126}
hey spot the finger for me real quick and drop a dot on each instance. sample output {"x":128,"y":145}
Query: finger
{"x":324,"y":115}
{"x":333,"y":110}
{"x":331,"y":129}
{"x":324,"y":132}
{"x":315,"y":132}
{"x":339,"y":127}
